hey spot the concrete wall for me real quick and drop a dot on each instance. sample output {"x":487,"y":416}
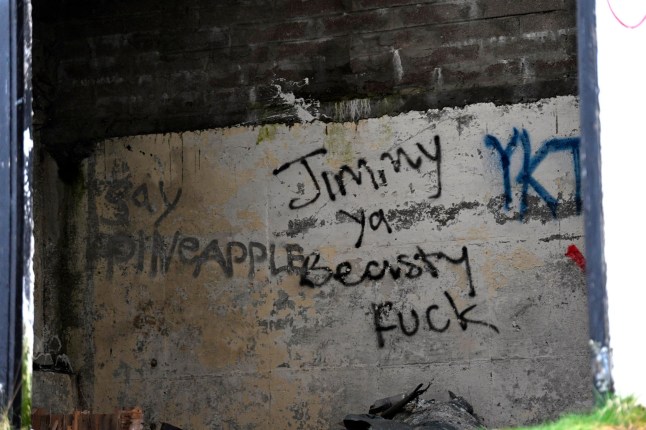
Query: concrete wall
{"x":121,"y":68}
{"x":242,"y":278}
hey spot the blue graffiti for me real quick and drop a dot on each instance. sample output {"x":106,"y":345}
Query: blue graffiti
{"x":505,"y":159}
{"x":525,"y":177}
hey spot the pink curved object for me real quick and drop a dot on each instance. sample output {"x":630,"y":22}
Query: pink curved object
{"x":623,"y":23}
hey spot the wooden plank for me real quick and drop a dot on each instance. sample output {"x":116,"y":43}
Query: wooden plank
{"x":83,"y":420}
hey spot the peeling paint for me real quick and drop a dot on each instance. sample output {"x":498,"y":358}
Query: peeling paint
{"x":398,"y":70}
{"x":351,"y":110}
{"x":536,"y":210}
{"x":564,"y":237}
{"x":338,"y":143}
{"x":299,"y":227}
{"x":405,"y":218}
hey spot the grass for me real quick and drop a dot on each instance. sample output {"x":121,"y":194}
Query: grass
{"x":25,"y":406}
{"x":4,"y":421}
{"x":616,"y":413}
{"x":5,"y":424}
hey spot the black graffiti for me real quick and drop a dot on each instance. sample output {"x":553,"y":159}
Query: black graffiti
{"x":315,"y":275}
{"x":375,"y":220}
{"x":162,"y":252}
{"x":213,"y":252}
{"x":120,"y":194}
{"x":116,"y":196}
{"x":140,"y":198}
{"x":123,"y":249}
{"x":382,"y":313}
{"x":429,"y":321}
{"x":461,"y":316}
{"x":119,"y":249}
{"x":339,"y":178}
{"x":464,"y":258}
{"x":336,"y":182}
{"x":417,"y":164}
{"x":412,"y":331}
{"x":303,"y":161}
{"x":168,"y":206}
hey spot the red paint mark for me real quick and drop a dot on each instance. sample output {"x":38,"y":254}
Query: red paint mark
{"x":576,"y":256}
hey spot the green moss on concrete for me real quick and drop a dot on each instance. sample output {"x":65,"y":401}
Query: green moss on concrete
{"x":25,"y":403}
{"x":267,"y":133}
{"x":338,"y":144}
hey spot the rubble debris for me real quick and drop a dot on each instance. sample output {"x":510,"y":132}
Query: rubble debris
{"x":408,"y":412}
{"x":383,"y":404}
{"x":394,"y":409}
{"x":369,"y":421}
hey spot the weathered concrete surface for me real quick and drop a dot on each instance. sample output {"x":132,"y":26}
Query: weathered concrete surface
{"x":202,"y":313}
{"x":61,"y":331}
{"x":55,"y":392}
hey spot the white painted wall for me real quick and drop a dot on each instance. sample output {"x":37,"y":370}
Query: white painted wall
{"x":622,"y":74}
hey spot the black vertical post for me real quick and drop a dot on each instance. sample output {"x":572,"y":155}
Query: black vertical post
{"x":592,"y":197}
{"x":12,"y":202}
